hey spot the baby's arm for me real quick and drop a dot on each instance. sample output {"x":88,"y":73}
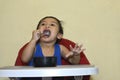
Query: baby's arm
{"x":73,"y":55}
{"x":30,"y":48}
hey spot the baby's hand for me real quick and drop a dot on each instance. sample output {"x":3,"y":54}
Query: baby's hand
{"x":36,"y":35}
{"x":76,"y":50}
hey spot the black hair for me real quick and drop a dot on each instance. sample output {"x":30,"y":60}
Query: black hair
{"x":59,"y":24}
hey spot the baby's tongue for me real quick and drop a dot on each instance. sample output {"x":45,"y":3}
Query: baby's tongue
{"x":46,"y":33}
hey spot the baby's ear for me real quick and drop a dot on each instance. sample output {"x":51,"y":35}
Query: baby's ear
{"x":59,"y":36}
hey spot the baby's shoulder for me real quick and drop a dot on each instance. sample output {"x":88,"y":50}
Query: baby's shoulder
{"x":62,"y":47}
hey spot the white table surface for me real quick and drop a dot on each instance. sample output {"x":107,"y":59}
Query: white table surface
{"x":64,"y":70}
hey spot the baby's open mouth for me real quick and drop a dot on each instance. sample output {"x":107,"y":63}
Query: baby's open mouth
{"x":46,"y":33}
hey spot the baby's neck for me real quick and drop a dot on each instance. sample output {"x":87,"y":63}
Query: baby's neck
{"x":45,"y":45}
{"x":47,"y":49}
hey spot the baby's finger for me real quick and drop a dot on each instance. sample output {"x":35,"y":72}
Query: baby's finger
{"x":81,"y":45}
{"x":76,"y":46}
{"x":82,"y":50}
{"x":78,"y":49}
{"x":71,"y":48}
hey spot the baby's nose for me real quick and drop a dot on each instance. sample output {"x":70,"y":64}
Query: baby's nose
{"x":47,"y":26}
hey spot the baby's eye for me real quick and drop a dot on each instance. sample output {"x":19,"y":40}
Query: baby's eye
{"x":53,"y":24}
{"x":42,"y":24}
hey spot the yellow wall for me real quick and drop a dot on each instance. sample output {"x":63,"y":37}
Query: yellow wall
{"x":95,"y":23}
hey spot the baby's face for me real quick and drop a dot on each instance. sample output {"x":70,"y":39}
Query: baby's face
{"x":51,"y":26}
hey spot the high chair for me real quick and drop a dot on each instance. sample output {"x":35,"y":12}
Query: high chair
{"x":66,"y":43}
